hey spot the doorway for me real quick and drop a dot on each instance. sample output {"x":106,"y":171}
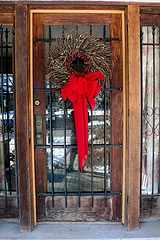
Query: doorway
{"x":63,"y":192}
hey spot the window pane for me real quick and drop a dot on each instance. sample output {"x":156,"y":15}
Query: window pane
{"x":150,"y":111}
{"x":63,"y":124}
{"x":8,"y":183}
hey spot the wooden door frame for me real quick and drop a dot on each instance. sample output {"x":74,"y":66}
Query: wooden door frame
{"x":131,"y":105}
{"x":48,"y":11}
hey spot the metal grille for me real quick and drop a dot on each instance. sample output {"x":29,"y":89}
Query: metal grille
{"x":67,"y":146}
{"x":150,"y":59}
{"x":8,"y":146}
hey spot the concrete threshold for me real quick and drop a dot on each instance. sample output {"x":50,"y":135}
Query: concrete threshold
{"x":79,"y":231}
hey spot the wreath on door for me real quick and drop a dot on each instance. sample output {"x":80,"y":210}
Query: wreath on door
{"x":93,"y":55}
{"x":79,"y":66}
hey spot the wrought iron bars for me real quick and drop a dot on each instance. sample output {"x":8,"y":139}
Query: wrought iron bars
{"x":150,"y":112}
{"x":105,"y":146}
{"x":8,"y":98}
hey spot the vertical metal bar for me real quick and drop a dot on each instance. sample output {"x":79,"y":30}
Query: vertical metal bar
{"x":91,"y":32}
{"x":63,"y":35}
{"x":79,"y":200}
{"x":153,"y":28}
{"x":15,"y":120}
{"x":105,"y":138}
{"x":141,"y":117}
{"x":76,"y":29}
{"x":92,"y":155}
{"x":51,"y":144}
{"x":105,"y":132}
{"x":65,"y":156}
{"x":2,"y":107}
{"x":50,"y":36}
{"x":51,"y":131}
{"x":104,"y":31}
{"x":7,"y":110}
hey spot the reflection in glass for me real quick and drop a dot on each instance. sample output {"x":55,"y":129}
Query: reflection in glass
{"x":8,"y":166}
{"x":64,"y":130}
{"x":150,"y":111}
{"x":58,"y":170}
{"x":7,"y":148}
{"x":98,"y":121}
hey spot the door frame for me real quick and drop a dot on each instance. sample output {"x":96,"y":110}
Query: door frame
{"x":47,"y":11}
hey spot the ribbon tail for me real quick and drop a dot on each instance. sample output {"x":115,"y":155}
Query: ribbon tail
{"x":80,"y":120}
{"x":85,"y":109}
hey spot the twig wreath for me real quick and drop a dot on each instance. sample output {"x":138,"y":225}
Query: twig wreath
{"x":79,"y":66}
{"x":93,"y":55}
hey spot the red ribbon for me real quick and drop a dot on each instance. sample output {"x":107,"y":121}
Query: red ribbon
{"x":78,"y":91}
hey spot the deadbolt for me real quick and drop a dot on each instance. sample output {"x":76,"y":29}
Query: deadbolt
{"x":37,"y":102}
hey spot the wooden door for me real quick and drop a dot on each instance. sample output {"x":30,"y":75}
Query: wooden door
{"x":64,"y":193}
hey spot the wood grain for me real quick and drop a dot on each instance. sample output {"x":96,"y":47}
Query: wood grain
{"x":117,"y":114}
{"x":11,"y":211}
{"x":148,"y":213}
{"x":134,"y":116}
{"x":149,"y":20}
{"x":73,"y":213}
{"x":76,"y":19}
{"x":8,"y":8}
{"x":39,"y":82}
{"x":7,"y":18}
{"x":22,"y":106}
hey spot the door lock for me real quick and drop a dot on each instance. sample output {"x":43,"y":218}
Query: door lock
{"x":39,"y":129}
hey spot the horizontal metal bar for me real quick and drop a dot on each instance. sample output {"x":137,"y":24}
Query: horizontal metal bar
{"x":150,"y":44}
{"x":54,"y":39}
{"x":75,"y":146}
{"x":41,"y":40}
{"x":81,"y":194}
{"x":43,"y":89}
{"x":110,"y":39}
{"x":113,"y":89}
{"x":150,"y":195}
{"x":5,"y":47}
{"x":53,"y":89}
{"x":9,"y":196}
{"x":2,"y":43}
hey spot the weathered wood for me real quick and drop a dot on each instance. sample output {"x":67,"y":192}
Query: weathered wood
{"x":148,"y":213}
{"x":11,"y":211}
{"x":7,"y":18}
{"x":134,"y":116}
{"x":39,"y":82}
{"x":62,"y":4}
{"x":77,"y":19}
{"x":22,"y":106}
{"x":9,"y":8}
{"x":40,"y":20}
{"x":117,"y":114}
{"x":73,"y":213}
{"x":69,"y":5}
{"x":125,"y":132}
{"x":150,"y":10}
{"x":149,"y":20}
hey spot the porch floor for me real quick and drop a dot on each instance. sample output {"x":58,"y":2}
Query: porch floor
{"x":105,"y":231}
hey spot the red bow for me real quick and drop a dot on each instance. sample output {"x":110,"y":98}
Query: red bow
{"x":78,"y":91}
